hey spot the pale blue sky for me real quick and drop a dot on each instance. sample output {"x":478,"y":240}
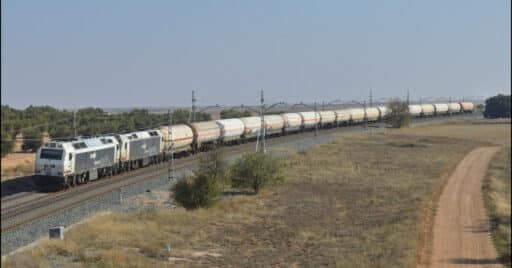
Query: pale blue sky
{"x":153,"y":53}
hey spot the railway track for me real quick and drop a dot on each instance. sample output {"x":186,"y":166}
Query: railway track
{"x":18,"y":214}
{"x":16,"y":197}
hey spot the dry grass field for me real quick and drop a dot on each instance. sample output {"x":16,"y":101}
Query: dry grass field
{"x":497,"y":196}
{"x":492,"y":131}
{"x":360,"y":201}
{"x":17,"y":164}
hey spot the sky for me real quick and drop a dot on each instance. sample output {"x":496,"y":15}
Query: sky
{"x":83,"y":53}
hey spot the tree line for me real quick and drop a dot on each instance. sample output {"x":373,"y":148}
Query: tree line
{"x":33,"y":121}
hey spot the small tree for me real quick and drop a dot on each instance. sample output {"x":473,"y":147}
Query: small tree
{"x":198,"y":190}
{"x":202,"y":188}
{"x":33,"y":138}
{"x":398,"y":114}
{"x":497,"y":106}
{"x":213,"y":164}
{"x":255,"y":171}
{"x":7,"y":142}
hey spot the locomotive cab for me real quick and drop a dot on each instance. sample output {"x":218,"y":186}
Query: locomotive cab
{"x":54,"y":160}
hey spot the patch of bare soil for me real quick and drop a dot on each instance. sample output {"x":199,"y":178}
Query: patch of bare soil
{"x":461,"y":230}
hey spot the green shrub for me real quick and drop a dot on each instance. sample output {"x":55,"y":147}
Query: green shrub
{"x":198,"y":190}
{"x":203,"y":188}
{"x":7,"y":142}
{"x":255,"y":171}
{"x":497,"y":106}
{"x":33,"y":139}
{"x":398,"y":114}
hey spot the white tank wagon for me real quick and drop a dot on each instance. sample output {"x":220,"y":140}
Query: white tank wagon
{"x":441,"y":108}
{"x":357,"y":115}
{"x":273,"y":124}
{"x":252,"y":126}
{"x":327,"y":118}
{"x":415,"y":110}
{"x":78,"y":161}
{"x":343,"y":116}
{"x":309,"y":119}
{"x":292,"y":122}
{"x":140,"y":148}
{"x":372,"y":114}
{"x":454,"y":108}
{"x":205,"y":134}
{"x":467,"y":107}
{"x":230,"y":129}
{"x":427,"y":110}
{"x":181,"y":139}
{"x":383,"y":111}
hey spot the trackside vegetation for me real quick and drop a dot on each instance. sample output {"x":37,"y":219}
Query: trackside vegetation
{"x":497,"y":197}
{"x":232,"y":113}
{"x":498,"y":106}
{"x":256,"y":170}
{"x":398,"y":114}
{"x":203,"y":188}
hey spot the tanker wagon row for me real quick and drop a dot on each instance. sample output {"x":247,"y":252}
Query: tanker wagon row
{"x":79,"y":160}
{"x":439,"y":109}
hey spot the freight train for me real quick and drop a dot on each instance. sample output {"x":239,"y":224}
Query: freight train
{"x":79,"y":160}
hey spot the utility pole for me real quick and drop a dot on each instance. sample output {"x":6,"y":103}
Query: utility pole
{"x":74,"y":122}
{"x":170,"y":146}
{"x":407,"y":97}
{"x":316,"y":123}
{"x":261,"y":135}
{"x":371,"y":98}
{"x":193,"y":106}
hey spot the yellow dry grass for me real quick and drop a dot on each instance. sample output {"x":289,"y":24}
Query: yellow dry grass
{"x":17,"y":164}
{"x":497,"y":196}
{"x":491,"y":131}
{"x":355,"y":202}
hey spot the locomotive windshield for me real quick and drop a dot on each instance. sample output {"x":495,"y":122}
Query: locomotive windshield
{"x":53,"y":154}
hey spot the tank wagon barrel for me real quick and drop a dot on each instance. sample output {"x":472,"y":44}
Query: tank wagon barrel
{"x":441,"y":108}
{"x":343,"y":116}
{"x":252,"y":126}
{"x":181,"y":139}
{"x":454,"y":107}
{"x":309,"y":119}
{"x":467,"y":107}
{"x":357,"y":115}
{"x":415,"y":110}
{"x":372,"y":114}
{"x":327,"y":118}
{"x":427,"y":109}
{"x":205,"y":134}
{"x":230,"y":129}
{"x":292,"y":122}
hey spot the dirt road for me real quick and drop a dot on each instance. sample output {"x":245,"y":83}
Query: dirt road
{"x":461,"y":230}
